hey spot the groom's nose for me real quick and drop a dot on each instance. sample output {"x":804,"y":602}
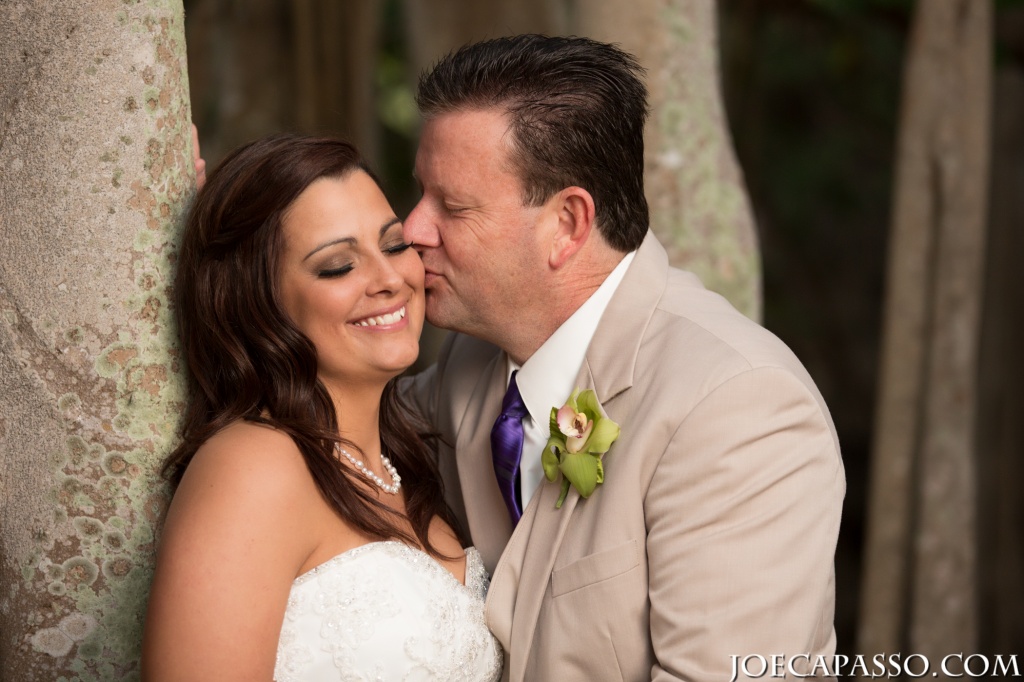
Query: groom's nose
{"x":420,"y":227}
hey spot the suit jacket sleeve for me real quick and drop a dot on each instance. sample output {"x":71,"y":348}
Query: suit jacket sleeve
{"x":743,"y":515}
{"x":421,"y":392}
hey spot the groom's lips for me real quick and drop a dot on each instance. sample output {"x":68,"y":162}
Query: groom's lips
{"x":430,"y":277}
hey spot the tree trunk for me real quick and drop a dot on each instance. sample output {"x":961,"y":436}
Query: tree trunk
{"x":1001,"y":385}
{"x":920,"y":590}
{"x":94,"y":170}
{"x":436,"y":27}
{"x":699,"y":205}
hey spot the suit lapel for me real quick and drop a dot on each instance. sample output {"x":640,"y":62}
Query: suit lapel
{"x":613,"y":351}
{"x":489,"y":525}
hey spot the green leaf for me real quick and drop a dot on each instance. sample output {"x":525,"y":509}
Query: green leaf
{"x":581,"y":470}
{"x":549,"y":460}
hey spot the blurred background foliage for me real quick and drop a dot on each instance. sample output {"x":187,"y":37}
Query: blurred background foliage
{"x":812,"y":90}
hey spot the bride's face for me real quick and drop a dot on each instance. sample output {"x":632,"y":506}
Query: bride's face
{"x":349,"y":282}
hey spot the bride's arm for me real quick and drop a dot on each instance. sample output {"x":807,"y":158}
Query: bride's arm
{"x":233,"y":542}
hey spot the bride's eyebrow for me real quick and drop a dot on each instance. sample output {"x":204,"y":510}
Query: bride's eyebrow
{"x":351,"y":241}
{"x":388,"y":224}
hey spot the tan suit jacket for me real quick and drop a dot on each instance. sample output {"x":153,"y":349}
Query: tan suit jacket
{"x":714,"y":532}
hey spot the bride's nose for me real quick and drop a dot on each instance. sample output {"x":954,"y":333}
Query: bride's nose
{"x":386,"y":277}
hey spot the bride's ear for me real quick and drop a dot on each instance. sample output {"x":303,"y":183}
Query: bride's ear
{"x":573,"y":212}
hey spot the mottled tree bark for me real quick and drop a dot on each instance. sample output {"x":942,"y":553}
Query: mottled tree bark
{"x":699,"y":205}
{"x":920,"y":589}
{"x":94,"y":168}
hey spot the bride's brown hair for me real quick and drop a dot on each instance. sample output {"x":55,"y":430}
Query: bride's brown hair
{"x":245,"y":359}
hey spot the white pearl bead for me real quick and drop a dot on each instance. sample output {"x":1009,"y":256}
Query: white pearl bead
{"x":396,"y":484}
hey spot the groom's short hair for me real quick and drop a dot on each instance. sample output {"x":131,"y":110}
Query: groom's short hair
{"x":576,"y":111}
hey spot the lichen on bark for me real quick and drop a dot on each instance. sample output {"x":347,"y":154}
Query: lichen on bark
{"x":95,"y":169}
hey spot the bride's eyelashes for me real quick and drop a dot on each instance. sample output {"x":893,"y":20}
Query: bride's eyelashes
{"x":329,"y":273}
{"x":334,"y":272}
{"x":397,"y":248}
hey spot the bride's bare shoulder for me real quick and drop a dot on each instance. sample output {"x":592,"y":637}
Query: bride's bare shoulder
{"x":250,"y":436}
{"x":236,"y":527}
{"x":250,"y":445}
{"x":248,"y":461}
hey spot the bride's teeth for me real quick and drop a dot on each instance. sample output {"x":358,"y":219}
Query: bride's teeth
{"x":390,"y":318}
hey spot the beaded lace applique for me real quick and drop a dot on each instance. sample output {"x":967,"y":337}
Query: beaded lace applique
{"x":387,"y":611}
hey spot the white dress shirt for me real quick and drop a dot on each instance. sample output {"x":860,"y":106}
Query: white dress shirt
{"x":546,"y":378}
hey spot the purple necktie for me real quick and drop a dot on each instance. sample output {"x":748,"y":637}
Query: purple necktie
{"x":507,"y":446}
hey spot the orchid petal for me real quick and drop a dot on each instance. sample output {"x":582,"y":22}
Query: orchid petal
{"x":575,"y":443}
{"x":556,"y":438}
{"x":581,"y":470}
{"x":604,"y":434}
{"x":571,"y":402}
{"x":565,"y":418}
{"x":588,"y":404}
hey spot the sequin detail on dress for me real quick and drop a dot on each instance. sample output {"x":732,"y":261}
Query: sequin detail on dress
{"x":387,"y":611}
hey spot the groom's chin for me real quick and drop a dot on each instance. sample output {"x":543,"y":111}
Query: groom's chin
{"x":435,"y":313}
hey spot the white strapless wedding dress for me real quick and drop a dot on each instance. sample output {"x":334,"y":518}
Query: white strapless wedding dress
{"x":387,"y":611}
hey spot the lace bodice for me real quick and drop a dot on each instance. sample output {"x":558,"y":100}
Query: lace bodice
{"x":387,"y":611}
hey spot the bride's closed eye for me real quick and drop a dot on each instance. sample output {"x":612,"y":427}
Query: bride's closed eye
{"x":396,"y":248}
{"x":392,"y":250}
{"x":334,"y":272}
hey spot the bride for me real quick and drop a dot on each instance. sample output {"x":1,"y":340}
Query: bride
{"x":308,"y":538}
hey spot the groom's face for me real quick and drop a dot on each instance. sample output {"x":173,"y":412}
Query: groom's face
{"x":482,"y":254}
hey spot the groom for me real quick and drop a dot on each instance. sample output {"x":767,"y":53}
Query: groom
{"x":712,"y":536}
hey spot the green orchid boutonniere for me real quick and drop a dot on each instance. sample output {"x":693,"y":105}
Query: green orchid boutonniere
{"x":580,"y":435}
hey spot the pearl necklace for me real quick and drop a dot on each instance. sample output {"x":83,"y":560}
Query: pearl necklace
{"x":396,"y":483}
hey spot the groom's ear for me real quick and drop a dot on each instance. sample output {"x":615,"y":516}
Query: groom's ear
{"x":573,"y":212}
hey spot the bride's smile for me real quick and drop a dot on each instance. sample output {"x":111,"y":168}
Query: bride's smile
{"x":384,"y":322}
